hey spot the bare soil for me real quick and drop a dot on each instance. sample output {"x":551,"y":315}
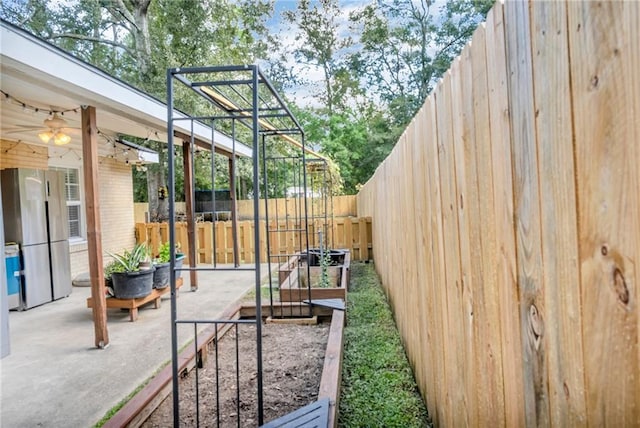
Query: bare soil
{"x":293,"y":356}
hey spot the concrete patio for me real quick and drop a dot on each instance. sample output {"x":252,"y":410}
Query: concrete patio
{"x":54,"y":376}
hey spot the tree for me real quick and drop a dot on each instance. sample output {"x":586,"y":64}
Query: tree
{"x":406,"y":45}
{"x":136,"y":40}
{"x":320,"y":45}
{"x":372,"y":82}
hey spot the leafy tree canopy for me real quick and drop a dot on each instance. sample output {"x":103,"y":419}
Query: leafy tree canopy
{"x":377,"y":64}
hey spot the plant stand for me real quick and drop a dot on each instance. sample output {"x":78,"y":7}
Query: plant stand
{"x":133,"y":304}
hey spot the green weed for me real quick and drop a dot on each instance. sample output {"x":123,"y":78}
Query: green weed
{"x":378,"y":387}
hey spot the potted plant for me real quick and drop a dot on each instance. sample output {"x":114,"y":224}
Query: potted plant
{"x":315,"y":255}
{"x":130,"y":280}
{"x":109,"y":270}
{"x":162,"y":264}
{"x":161,"y":275}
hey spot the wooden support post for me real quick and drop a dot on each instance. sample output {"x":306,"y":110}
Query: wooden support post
{"x":94,"y":234}
{"x":234,"y":209}
{"x":187,"y":163}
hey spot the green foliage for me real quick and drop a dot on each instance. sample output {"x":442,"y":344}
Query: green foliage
{"x":316,"y":26}
{"x":374,"y":76}
{"x":325,"y":262}
{"x":408,"y":45}
{"x":164,"y":253}
{"x":111,"y":268}
{"x":378,"y":388}
{"x":129,"y":261}
{"x":356,"y":142}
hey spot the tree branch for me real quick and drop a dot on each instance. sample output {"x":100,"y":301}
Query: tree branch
{"x":449,"y":45}
{"x":92,"y":39}
{"x":121,"y":9}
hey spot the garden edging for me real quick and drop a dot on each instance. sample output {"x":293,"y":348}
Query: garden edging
{"x":145,"y":401}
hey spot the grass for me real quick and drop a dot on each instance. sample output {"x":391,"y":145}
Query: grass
{"x":111,"y":412}
{"x":378,"y":387}
{"x":265,"y":291}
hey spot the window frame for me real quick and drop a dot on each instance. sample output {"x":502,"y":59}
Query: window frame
{"x":82,"y":237}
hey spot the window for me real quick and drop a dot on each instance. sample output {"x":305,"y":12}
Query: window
{"x":74,"y":203}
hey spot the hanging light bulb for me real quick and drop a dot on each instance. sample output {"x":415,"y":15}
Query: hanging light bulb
{"x":60,"y":139}
{"x":45,"y":136}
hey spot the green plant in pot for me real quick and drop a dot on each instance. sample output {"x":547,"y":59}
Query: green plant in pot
{"x":130,"y":277}
{"x":162,"y":264}
{"x":109,"y":270}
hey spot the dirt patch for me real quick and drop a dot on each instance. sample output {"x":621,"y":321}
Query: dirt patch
{"x":293,"y":356}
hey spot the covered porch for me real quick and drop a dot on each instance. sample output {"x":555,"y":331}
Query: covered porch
{"x":86,"y":112}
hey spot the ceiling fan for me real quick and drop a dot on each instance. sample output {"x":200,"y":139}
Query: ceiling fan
{"x":55,"y":131}
{"x":53,"y":128}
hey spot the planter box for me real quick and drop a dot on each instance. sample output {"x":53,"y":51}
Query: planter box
{"x":294,"y":282}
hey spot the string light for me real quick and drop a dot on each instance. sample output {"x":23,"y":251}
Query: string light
{"x":28,"y":108}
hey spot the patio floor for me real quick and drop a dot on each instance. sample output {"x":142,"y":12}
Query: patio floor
{"x":54,"y":376}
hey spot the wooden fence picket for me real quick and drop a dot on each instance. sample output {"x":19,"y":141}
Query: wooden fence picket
{"x":281,"y":242}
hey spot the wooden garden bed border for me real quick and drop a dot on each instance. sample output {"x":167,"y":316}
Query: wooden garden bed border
{"x":289,"y":282}
{"x":144,"y":402}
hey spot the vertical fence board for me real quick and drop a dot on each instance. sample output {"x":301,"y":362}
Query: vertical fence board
{"x":221,"y":242}
{"x":405,"y":253}
{"x":452,"y":284}
{"x":527,"y":212}
{"x":606,"y":172}
{"x":466,"y":194}
{"x":558,"y":214}
{"x":486,"y":296}
{"x":632,"y":30}
{"x":208,"y":242}
{"x":436,"y":241}
{"x":247,"y":242}
{"x":348,"y":237}
{"x":411,"y":273}
{"x":505,"y":262}
{"x":263,"y":240}
{"x":425,"y":375}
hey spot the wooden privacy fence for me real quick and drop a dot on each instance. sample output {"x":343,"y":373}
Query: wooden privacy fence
{"x":349,"y":233}
{"x":339,"y":206}
{"x":506,"y":222}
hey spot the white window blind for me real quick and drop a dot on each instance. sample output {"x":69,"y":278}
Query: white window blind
{"x":74,"y":203}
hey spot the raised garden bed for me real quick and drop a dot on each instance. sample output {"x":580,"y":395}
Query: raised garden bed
{"x":137,"y":410}
{"x":294,"y":279}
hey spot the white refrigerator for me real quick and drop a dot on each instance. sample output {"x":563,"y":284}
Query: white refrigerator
{"x":35,"y":217}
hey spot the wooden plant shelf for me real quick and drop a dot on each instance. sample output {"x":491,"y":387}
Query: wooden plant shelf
{"x":133,"y":304}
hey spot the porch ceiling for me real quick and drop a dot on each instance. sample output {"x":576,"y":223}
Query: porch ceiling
{"x":38,"y":75}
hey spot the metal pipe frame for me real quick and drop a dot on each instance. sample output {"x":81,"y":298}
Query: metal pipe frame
{"x":254,"y":117}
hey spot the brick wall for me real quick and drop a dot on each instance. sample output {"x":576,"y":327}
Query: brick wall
{"x":115,"y":187}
